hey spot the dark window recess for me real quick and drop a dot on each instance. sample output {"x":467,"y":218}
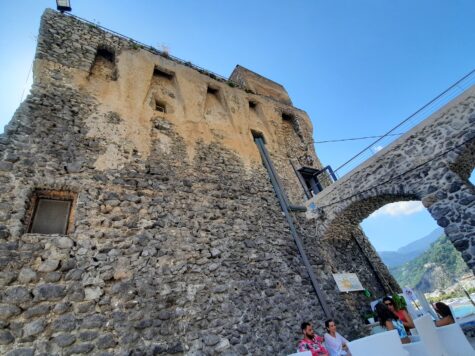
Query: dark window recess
{"x":213,"y":91}
{"x":287,"y":117}
{"x":105,"y":54}
{"x":161,"y":73}
{"x":309,"y":177}
{"x":51,"y":216}
{"x":160,"y":106}
{"x":252,"y":104}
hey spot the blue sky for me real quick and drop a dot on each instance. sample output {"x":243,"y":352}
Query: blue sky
{"x":357,"y":67}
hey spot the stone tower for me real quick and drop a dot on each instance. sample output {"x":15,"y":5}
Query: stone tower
{"x":137,"y":218}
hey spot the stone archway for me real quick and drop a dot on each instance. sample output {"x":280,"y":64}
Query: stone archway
{"x":452,"y":202}
{"x":346,"y":220}
{"x":431,"y":163}
{"x":346,"y":226}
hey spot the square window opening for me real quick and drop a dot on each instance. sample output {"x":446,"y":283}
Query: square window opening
{"x":160,"y":106}
{"x":252,"y":104}
{"x":162,"y":73}
{"x":287,"y":116}
{"x":51,"y":212}
{"x":213,"y":91}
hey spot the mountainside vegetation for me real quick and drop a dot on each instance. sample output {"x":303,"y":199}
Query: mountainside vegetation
{"x":437,"y":268}
{"x":410,"y":251}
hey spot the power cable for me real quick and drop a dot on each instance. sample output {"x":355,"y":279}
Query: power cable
{"x":26,"y":82}
{"x":407,"y":119}
{"x":358,"y":138}
{"x":399,"y":175}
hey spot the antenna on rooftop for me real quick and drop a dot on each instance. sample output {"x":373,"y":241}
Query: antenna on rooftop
{"x":63,"y":5}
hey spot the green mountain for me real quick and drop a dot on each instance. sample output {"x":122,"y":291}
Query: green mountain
{"x":437,"y":268}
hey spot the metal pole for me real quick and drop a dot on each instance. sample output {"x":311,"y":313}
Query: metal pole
{"x":283,"y":203}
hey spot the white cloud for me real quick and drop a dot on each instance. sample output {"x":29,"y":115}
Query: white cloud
{"x":378,"y":148}
{"x":399,"y":208}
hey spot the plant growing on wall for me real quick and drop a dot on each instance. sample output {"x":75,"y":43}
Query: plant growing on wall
{"x":399,"y":301}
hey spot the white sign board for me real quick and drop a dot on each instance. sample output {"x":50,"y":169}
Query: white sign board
{"x":347,"y":282}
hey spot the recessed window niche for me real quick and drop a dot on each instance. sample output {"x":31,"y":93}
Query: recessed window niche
{"x":213,"y":91}
{"x":162,"y":73}
{"x":104,"y":64}
{"x":160,"y":106}
{"x":51,"y":212}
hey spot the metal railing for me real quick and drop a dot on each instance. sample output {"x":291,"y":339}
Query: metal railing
{"x":164,"y":54}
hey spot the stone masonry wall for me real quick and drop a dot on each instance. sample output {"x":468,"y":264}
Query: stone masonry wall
{"x":178,"y":244}
{"x":431,"y":163}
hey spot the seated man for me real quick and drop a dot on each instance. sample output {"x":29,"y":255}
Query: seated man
{"x":311,"y":342}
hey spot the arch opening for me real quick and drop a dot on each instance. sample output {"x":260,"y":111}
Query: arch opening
{"x":416,"y":253}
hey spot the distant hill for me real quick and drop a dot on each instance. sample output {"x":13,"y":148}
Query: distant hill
{"x":410,"y":251}
{"x":437,"y":268}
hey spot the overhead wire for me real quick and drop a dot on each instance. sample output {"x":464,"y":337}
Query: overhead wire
{"x":26,"y":82}
{"x":358,"y":138}
{"x":407,"y":119}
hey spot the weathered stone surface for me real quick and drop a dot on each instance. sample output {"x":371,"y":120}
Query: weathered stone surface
{"x":80,"y":349}
{"x":64,"y":340}
{"x":27,"y":275}
{"x":49,"y":292}
{"x":65,"y":322}
{"x":93,"y":321}
{"x":63,"y":242}
{"x":7,"y":277}
{"x":176,"y":226}
{"x":8,"y":310}
{"x":92,"y":293}
{"x":34,"y":328}
{"x":106,"y":341}
{"x":88,"y":335}
{"x":48,"y":266}
{"x":210,"y":340}
{"x":6,"y":337}
{"x":38,"y":310}
{"x":17,"y":295}
{"x":23,"y":351}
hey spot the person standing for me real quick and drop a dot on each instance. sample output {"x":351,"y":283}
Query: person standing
{"x":311,"y":342}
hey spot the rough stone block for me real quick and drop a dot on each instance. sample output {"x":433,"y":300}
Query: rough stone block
{"x":6,"y":337}
{"x":49,"y":292}
{"x":23,"y":351}
{"x":27,"y":275}
{"x":65,"y":322}
{"x":106,"y":341}
{"x":17,"y":295}
{"x":64,"y":340}
{"x":34,"y":328}
{"x":8,"y":310}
